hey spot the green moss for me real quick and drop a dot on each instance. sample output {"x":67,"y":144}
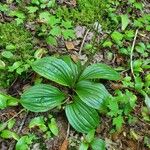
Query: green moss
{"x":87,"y":12}
{"x":11,"y":34}
{"x":16,"y":41}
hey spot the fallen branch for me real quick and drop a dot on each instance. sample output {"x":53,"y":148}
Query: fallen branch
{"x":12,"y":144}
{"x":131,"y":55}
{"x":83,"y":41}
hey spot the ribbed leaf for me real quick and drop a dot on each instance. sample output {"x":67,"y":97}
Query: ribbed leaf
{"x":41,"y":98}
{"x":100,"y":71}
{"x":54,"y":69}
{"x":93,"y":94}
{"x":74,"y":68}
{"x":82,"y":117}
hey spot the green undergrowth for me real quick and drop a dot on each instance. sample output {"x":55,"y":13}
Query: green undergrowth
{"x":16,"y":48}
{"x":52,"y":24}
{"x":86,"y":12}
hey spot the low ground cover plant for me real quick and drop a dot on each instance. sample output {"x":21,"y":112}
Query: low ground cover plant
{"x":82,"y":98}
{"x":16,"y":49}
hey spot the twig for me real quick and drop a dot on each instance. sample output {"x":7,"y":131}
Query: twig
{"x":139,"y":117}
{"x":83,"y":41}
{"x":68,"y":131}
{"x":100,"y":45}
{"x":12,"y":144}
{"x":131,"y":55}
{"x":16,"y":115}
{"x":22,"y":123}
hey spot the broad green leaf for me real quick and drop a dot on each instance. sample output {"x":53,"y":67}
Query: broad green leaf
{"x":125,"y":21}
{"x":32,"y":9}
{"x":93,"y":94}
{"x":100,"y":71}
{"x":114,"y":108}
{"x":41,"y":98}
{"x":118,"y":121}
{"x":10,"y":47}
{"x":6,"y":100}
{"x":15,"y":65}
{"x":56,"y":31}
{"x":11,"y":123}
{"x":4,"y":7}
{"x":148,"y":27}
{"x":7,"y":54}
{"x":147,"y":141}
{"x":117,"y":37}
{"x":2,"y":64}
{"x":53,"y":21}
{"x":12,"y":102}
{"x":145,"y":113}
{"x":147,"y":102}
{"x":90,"y":136}
{"x":107,"y":43}
{"x":76,"y":68}
{"x":45,"y":16}
{"x":7,"y":134}
{"x":24,"y":142}
{"x":54,"y":69}
{"x":84,"y":146}
{"x":36,"y":2}
{"x":38,"y":122}
{"x":98,"y":144}
{"x":68,"y":34}
{"x":67,"y":24}
{"x":18,"y":14}
{"x":81,"y":117}
{"x":39,"y":53}
{"x":3,"y":102}
{"x":138,"y":5}
{"x":53,"y":127}
{"x":3,"y":126}
{"x":51,"y":40}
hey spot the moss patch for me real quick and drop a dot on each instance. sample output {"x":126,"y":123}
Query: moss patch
{"x":87,"y":12}
{"x":15,"y":46}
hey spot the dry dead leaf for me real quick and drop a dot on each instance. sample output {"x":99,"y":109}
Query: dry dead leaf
{"x":64,"y":145}
{"x":71,"y":3}
{"x":69,"y":45}
{"x":74,"y":2}
{"x":116,"y":86}
{"x":80,"y":30}
{"x":132,"y":145}
{"x":75,"y":58}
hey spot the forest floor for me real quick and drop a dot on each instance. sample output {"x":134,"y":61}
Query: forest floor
{"x":116,"y":33}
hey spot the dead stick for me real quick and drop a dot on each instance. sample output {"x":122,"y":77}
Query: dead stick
{"x":131,"y":55}
{"x":12,"y":144}
{"x":82,"y":44}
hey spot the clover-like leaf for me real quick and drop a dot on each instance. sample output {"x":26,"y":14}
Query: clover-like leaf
{"x":99,"y":71}
{"x":82,"y":117}
{"x":41,"y":98}
{"x":54,"y":69}
{"x":93,"y":94}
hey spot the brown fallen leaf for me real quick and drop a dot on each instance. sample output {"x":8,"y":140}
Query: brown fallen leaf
{"x":132,"y":145}
{"x":72,"y":3}
{"x":75,"y":58}
{"x":69,"y":45}
{"x":116,"y":86}
{"x":64,"y":145}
